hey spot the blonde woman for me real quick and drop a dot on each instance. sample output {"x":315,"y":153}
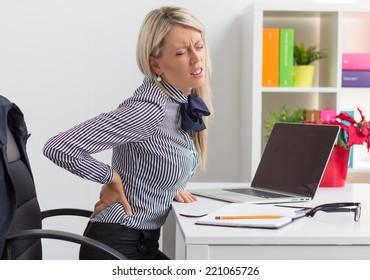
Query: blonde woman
{"x":158,"y":137}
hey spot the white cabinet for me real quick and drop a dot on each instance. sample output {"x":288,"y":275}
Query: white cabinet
{"x":336,"y":29}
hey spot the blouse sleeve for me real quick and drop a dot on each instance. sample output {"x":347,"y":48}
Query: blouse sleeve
{"x":131,"y":122}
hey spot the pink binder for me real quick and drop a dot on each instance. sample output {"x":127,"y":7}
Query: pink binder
{"x":356,"y":61}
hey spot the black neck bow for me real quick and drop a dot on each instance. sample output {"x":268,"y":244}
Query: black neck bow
{"x":192,"y":113}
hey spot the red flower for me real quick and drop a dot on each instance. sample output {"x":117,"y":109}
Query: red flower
{"x":358,"y":133}
{"x":346,"y":117}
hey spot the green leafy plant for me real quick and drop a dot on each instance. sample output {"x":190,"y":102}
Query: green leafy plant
{"x":303,"y":56}
{"x":283,"y":115}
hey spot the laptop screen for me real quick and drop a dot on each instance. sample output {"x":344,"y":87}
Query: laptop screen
{"x":295,"y":158}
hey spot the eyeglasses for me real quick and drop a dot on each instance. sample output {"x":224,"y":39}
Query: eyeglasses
{"x":354,"y":207}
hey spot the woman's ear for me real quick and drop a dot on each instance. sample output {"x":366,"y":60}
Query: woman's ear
{"x":154,"y":65}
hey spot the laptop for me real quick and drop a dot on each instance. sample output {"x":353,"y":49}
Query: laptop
{"x":290,"y":169}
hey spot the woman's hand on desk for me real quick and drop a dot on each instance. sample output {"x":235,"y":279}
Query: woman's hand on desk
{"x":185,"y":197}
{"x":112,"y":193}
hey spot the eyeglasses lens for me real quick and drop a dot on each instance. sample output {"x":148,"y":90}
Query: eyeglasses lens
{"x":357,"y":213}
{"x":332,"y":208}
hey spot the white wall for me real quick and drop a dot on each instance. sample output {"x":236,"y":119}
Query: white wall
{"x":63,"y":61}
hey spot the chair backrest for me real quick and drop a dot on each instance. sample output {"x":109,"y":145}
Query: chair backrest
{"x":27,"y":213}
{"x":20,"y":214}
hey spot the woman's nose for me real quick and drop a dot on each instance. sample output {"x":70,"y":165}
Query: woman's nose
{"x":194,"y":56}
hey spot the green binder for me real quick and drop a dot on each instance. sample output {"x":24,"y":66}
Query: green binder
{"x":286,"y":57}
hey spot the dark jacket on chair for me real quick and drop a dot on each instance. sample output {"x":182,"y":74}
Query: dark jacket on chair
{"x":10,"y":117}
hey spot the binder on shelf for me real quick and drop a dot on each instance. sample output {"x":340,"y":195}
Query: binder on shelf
{"x":261,"y":214}
{"x":270,"y":57}
{"x":327,"y":115}
{"x":356,"y":61}
{"x":355,"y":78}
{"x":286,"y":58}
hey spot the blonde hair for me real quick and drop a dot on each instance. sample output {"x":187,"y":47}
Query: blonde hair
{"x":150,"y":43}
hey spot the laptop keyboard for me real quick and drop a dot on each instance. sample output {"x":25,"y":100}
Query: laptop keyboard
{"x":257,"y":193}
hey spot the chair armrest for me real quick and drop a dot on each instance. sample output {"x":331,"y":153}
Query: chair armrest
{"x":66,"y":212}
{"x":59,"y":235}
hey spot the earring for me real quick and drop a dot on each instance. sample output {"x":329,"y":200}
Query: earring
{"x":159,"y":78}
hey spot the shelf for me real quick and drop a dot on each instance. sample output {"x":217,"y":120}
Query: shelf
{"x":299,"y":7}
{"x":337,"y":29}
{"x":355,"y":89}
{"x":297,"y":89}
{"x":360,"y":167}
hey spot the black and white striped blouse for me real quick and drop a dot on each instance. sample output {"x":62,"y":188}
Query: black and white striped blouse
{"x":152,"y":154}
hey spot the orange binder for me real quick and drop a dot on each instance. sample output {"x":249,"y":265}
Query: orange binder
{"x":270,"y":57}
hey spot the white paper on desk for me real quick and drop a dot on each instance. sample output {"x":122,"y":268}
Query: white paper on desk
{"x":245,"y":209}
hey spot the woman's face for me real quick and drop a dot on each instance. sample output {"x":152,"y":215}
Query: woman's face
{"x":182,"y":63}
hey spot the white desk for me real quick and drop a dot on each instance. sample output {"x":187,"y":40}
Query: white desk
{"x":325,"y":236}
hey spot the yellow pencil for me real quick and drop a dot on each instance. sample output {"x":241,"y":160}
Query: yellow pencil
{"x":248,"y":217}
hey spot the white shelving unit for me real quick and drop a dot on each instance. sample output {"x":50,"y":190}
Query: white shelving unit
{"x":336,"y":29}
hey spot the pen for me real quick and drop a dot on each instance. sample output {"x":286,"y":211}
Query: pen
{"x":248,"y":217}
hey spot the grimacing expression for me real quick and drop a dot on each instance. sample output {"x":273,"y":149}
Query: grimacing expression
{"x":182,"y":63}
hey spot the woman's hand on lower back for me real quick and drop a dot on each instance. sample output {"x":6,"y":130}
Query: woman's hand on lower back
{"x":112,"y":193}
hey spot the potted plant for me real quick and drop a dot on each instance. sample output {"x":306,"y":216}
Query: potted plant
{"x":352,"y":132}
{"x":283,"y":115}
{"x":355,"y":133}
{"x":303,"y":68}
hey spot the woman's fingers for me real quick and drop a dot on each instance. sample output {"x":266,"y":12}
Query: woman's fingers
{"x":111,"y":194}
{"x":126,"y":205}
{"x":99,"y":206}
{"x":185,"y":197}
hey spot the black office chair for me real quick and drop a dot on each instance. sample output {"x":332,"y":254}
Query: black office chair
{"x":23,"y":242}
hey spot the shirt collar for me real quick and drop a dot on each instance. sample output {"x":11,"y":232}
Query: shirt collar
{"x":175,"y":93}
